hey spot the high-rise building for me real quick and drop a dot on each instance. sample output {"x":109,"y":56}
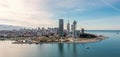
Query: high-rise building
{"x":68,"y":27}
{"x":82,"y":31}
{"x":74,"y":29}
{"x":61,"y":27}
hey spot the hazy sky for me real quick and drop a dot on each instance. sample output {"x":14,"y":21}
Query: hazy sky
{"x":89,"y":14}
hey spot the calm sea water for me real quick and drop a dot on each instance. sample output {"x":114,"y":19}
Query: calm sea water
{"x":107,"y":48}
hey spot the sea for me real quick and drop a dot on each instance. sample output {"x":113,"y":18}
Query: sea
{"x":109,"y":47}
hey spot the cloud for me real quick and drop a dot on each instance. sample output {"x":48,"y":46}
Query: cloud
{"x":110,"y":5}
{"x":43,"y":13}
{"x":25,"y":13}
{"x":77,"y":4}
{"x":62,"y":6}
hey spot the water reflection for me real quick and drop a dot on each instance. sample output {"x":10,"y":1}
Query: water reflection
{"x":98,"y":49}
{"x":74,"y":50}
{"x":61,"y":49}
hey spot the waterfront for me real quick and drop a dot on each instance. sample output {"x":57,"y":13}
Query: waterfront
{"x":107,"y":48}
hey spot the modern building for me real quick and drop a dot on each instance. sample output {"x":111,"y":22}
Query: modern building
{"x":77,"y":33}
{"x":82,"y":31}
{"x":74,"y":29}
{"x":68,"y":27}
{"x":61,"y":28}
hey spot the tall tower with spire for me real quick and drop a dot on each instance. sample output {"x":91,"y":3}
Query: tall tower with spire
{"x":74,"y":29}
{"x":68,"y":27}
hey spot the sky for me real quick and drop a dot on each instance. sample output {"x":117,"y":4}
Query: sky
{"x":89,"y":14}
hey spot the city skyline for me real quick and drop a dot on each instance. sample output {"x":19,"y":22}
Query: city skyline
{"x":95,"y":15}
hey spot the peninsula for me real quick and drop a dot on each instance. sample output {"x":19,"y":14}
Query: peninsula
{"x":51,"y":35}
{"x":60,"y":35}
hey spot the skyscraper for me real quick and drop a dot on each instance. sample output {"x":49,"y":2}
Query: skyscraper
{"x":74,"y":29}
{"x":82,"y":30}
{"x":61,"y":27}
{"x":68,"y":27}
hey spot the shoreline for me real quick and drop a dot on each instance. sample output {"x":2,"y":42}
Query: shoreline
{"x":79,"y":41}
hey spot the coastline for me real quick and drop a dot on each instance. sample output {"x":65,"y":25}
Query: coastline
{"x":79,"y":40}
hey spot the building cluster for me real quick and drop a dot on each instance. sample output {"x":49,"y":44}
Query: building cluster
{"x":71,"y":29}
{"x":57,"y":32}
{"x":28,"y":32}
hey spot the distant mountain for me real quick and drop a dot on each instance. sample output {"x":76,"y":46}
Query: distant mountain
{"x":9,"y":27}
